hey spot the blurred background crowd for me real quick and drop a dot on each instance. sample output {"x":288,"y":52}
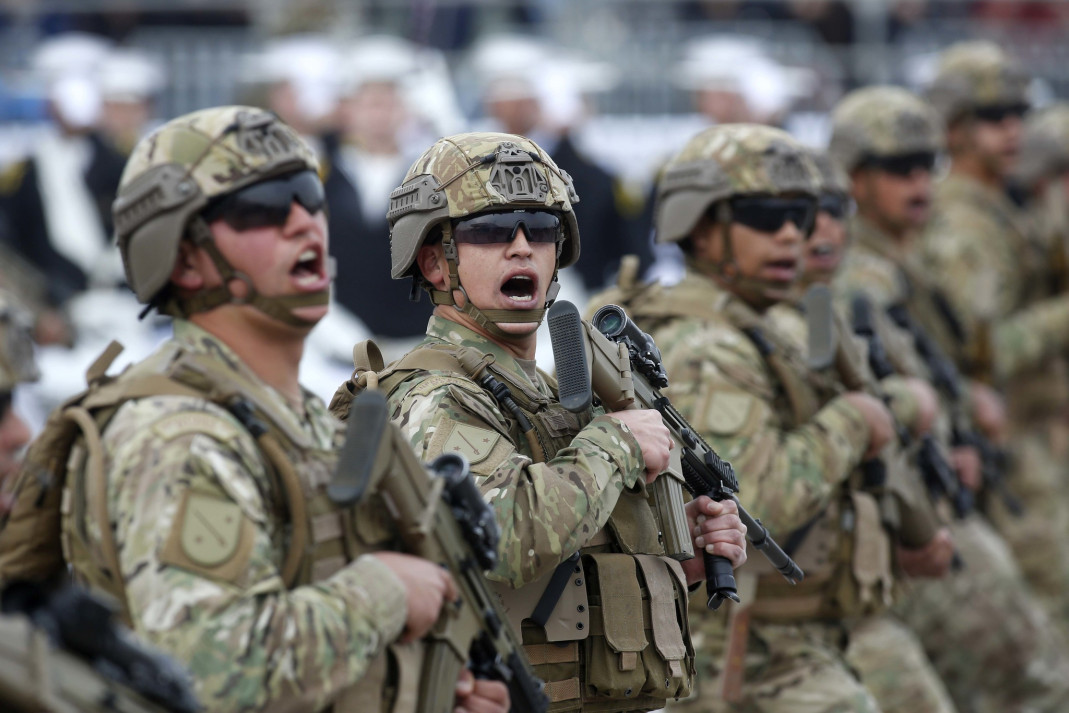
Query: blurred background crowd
{"x":609,"y":87}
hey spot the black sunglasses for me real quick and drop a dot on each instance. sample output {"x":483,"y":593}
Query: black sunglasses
{"x":540,"y":226}
{"x":902,"y":165}
{"x":768,"y":215}
{"x":836,"y":206}
{"x":268,"y":203}
{"x":997,"y":113}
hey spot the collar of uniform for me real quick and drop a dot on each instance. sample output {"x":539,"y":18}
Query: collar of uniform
{"x":311,"y":415}
{"x":865,"y":233}
{"x":442,"y":329}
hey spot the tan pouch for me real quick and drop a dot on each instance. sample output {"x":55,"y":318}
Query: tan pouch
{"x":871,"y":561}
{"x":618,"y":633}
{"x":668,"y":663}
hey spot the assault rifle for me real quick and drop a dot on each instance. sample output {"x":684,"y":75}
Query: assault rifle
{"x":84,"y":625}
{"x":939,"y":476}
{"x":946,"y":378}
{"x":440,"y":516}
{"x":618,"y":363}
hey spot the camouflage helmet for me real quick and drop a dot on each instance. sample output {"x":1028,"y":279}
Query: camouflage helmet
{"x":17,"y":364}
{"x":832,"y":177}
{"x":1044,"y":145}
{"x":174,"y":172}
{"x":976,"y":74}
{"x":465,"y":174}
{"x":725,"y":161}
{"x":882,"y":121}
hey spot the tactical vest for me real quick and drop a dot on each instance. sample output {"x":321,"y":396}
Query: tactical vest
{"x":319,"y":538}
{"x":617,"y":638}
{"x":845,"y":550}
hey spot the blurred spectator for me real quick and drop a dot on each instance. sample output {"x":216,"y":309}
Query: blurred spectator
{"x":56,"y":204}
{"x":370,"y":161}
{"x":130,"y":82}
{"x":733,"y":79}
{"x":543,"y":93}
{"x":832,"y":20}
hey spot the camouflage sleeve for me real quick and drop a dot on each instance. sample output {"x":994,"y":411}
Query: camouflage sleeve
{"x":1030,"y":336}
{"x":785,"y":475}
{"x":200,"y":551}
{"x":546,"y":511}
{"x":901,"y":401}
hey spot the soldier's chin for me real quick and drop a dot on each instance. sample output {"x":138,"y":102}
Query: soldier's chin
{"x":518,"y":329}
{"x":312,"y":313}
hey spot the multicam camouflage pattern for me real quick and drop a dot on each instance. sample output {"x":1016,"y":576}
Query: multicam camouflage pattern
{"x":471,"y":173}
{"x":547,"y":510}
{"x":250,"y":643}
{"x":1044,"y":145}
{"x":17,"y":364}
{"x":980,"y":249}
{"x":991,"y":265}
{"x":966,"y":645}
{"x":976,"y":74}
{"x":882,"y":121}
{"x":799,"y":667}
{"x":174,"y":171}
{"x":722,"y":385}
{"x":833,"y":178}
{"x":724,"y":161}
{"x":1001,"y":652}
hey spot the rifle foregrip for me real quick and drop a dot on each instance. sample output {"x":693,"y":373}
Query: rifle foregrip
{"x":719,"y":580}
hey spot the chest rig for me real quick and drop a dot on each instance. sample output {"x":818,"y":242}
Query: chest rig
{"x":607,"y":629}
{"x":315,"y":537}
{"x":845,"y":549}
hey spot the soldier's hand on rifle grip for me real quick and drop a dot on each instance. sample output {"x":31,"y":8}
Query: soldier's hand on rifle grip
{"x":879,"y":420}
{"x":931,"y":560}
{"x":717,"y":530}
{"x":427,"y":587}
{"x":927,"y":405}
{"x":652,"y":436}
{"x":988,"y":412}
{"x":481,"y":696}
{"x":967,"y":465}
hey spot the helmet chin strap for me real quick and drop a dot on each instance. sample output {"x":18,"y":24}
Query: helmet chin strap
{"x":760,"y":294}
{"x":279,"y":308}
{"x":488,"y":319}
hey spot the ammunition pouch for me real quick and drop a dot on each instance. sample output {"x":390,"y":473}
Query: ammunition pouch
{"x":846,"y":556}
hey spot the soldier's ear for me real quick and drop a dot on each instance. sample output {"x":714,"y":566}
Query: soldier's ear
{"x":187,"y":273}
{"x":705,"y":237}
{"x":431,"y":263}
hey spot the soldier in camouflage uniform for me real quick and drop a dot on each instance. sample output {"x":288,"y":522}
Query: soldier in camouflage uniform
{"x":17,"y":366}
{"x":1006,"y":328}
{"x":887,"y":140}
{"x":483,"y":222}
{"x":740,"y":200}
{"x":196,"y":496}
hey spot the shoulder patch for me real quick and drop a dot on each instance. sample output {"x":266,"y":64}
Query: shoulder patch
{"x":484,"y":449}
{"x":196,"y":422}
{"x":211,"y":536}
{"x":472,"y":442}
{"x":727,"y":412}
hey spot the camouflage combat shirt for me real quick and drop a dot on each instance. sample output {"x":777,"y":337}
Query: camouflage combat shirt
{"x":724,"y":387}
{"x":250,"y":643}
{"x":546,"y":511}
{"x":979,"y":250}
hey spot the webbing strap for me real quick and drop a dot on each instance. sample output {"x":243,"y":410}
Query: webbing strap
{"x":97,"y":494}
{"x":541,"y":654}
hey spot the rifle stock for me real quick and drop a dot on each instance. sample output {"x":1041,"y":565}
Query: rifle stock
{"x":440,"y":516}
{"x":621,"y":365}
